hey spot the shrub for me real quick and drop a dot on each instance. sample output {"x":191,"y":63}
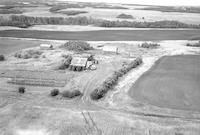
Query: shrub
{"x":97,"y":94}
{"x":72,"y":12}
{"x":21,"y":90}
{"x":27,"y":54}
{"x":2,"y":58}
{"x":149,"y":45}
{"x":77,"y":46}
{"x":71,"y":94}
{"x":66,"y":62}
{"x":125,"y":16}
{"x":194,"y":45}
{"x":54,"y":92}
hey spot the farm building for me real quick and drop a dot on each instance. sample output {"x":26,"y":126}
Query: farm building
{"x":46,"y":46}
{"x":78,"y":64}
{"x":113,"y":49}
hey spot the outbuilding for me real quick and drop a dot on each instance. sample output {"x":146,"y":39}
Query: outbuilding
{"x":46,"y":46}
{"x":78,"y":64}
{"x":113,"y":49}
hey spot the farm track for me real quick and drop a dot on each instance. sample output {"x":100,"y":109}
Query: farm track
{"x":105,"y":35}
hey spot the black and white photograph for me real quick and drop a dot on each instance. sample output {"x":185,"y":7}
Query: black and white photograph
{"x":99,"y":67}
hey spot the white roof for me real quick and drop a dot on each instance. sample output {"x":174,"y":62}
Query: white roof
{"x":77,"y":61}
{"x":110,"y":48}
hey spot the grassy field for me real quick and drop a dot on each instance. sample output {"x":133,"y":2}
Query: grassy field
{"x":173,"y":82}
{"x":11,"y":45}
{"x":105,"y":35}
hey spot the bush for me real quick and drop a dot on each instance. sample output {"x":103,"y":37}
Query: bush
{"x":96,"y":94}
{"x":77,"y":46}
{"x":66,"y":62}
{"x":54,"y":92}
{"x":71,"y":94}
{"x":149,"y":45}
{"x":28,"y":54}
{"x":194,"y":45}
{"x":2,"y":58}
{"x":125,"y":16}
{"x":21,"y":90}
{"x":72,"y":12}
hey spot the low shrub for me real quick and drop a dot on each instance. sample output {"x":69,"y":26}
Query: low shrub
{"x":72,"y":12}
{"x":77,"y":46}
{"x":149,"y":45}
{"x":110,"y":82}
{"x":97,"y":94}
{"x":28,"y":54}
{"x":21,"y":90}
{"x":125,"y":16}
{"x":2,"y":58}
{"x":193,"y":45}
{"x":71,"y":94}
{"x":66,"y":62}
{"x":54,"y":92}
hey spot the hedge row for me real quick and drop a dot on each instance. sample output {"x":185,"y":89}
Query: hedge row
{"x":110,"y":82}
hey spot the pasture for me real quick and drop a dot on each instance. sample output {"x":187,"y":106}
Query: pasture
{"x":173,"y":82}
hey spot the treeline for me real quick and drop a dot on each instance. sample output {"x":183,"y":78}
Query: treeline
{"x":27,"y":21}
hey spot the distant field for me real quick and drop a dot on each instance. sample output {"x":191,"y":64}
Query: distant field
{"x":105,"y":35}
{"x":173,"y":82}
{"x":11,"y":45}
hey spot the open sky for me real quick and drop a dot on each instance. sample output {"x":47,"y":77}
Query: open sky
{"x":149,"y":2}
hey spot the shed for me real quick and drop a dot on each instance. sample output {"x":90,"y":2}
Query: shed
{"x":114,"y":49}
{"x":78,"y":63}
{"x":46,"y":46}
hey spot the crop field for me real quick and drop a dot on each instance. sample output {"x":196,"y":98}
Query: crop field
{"x":105,"y":35}
{"x":173,"y":82}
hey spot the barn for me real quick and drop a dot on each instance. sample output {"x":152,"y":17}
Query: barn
{"x":113,"y":49}
{"x":78,"y":64}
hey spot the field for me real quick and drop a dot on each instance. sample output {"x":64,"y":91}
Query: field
{"x":173,"y":82}
{"x":9,"y":46}
{"x":105,"y":35}
{"x":36,"y":112}
{"x":112,"y":82}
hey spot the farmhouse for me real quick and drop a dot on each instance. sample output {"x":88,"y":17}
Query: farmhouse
{"x":113,"y":49}
{"x":46,"y":46}
{"x":78,"y":64}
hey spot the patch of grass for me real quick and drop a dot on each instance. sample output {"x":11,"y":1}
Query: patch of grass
{"x":77,"y":46}
{"x":2,"y":57}
{"x":125,"y":16}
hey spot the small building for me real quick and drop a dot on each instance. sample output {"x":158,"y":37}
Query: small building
{"x":46,"y":46}
{"x":78,"y":64}
{"x":113,"y":49}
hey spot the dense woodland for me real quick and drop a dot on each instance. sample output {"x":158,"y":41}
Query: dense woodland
{"x":26,"y":21}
